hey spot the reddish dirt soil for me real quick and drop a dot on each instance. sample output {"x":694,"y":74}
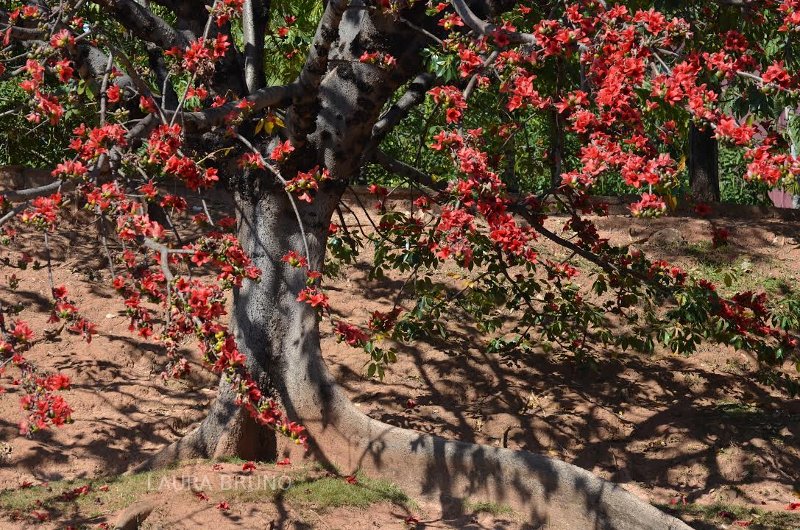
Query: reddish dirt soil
{"x":666,"y":427}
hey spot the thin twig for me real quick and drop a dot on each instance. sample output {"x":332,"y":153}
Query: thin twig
{"x":49,"y":263}
{"x":104,"y":240}
{"x":104,"y":87}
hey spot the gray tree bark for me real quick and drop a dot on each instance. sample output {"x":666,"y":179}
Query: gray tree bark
{"x":703,"y":165}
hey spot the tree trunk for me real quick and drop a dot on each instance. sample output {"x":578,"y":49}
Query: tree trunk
{"x":556,"y":149}
{"x":703,"y":165}
{"x":280,"y":338}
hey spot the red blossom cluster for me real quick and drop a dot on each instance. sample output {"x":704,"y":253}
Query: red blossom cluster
{"x":65,"y":309}
{"x":451,"y":99}
{"x":202,"y":54}
{"x":43,"y":212}
{"x":384,"y":60}
{"x":90,"y":144}
{"x":282,"y":151}
{"x":226,"y":10}
{"x":351,"y":334}
{"x":295,"y":260}
{"x":40,"y":401}
{"x":313,"y":297}
{"x":650,"y":205}
{"x":479,"y":190}
{"x":305,"y":183}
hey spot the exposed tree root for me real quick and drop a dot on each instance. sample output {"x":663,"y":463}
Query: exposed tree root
{"x":226,"y":431}
{"x":132,"y":517}
{"x":548,"y":492}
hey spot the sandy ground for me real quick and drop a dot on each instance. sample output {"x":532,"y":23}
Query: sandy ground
{"x":669,"y":428}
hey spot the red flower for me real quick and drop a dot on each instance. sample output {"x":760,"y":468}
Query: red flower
{"x":380,"y":191}
{"x":64,"y":70}
{"x":249,"y":466}
{"x":702,"y":209}
{"x":84,"y":328}
{"x":282,"y":151}
{"x":306,"y":183}
{"x":451,"y":21}
{"x":113,"y":94}
{"x":251,"y":161}
{"x":719,"y":236}
{"x":352,"y":335}
{"x":294,"y":259}
{"x":452,"y":115}
{"x":70,"y":169}
{"x":149,"y":190}
{"x":147,"y":104}
{"x":651,"y":205}
{"x":62,"y":39}
{"x":729,"y":129}
{"x":313,"y":297}
{"x":21,"y":331}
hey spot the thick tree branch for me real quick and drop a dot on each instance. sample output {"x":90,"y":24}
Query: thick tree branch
{"x":13,"y":213}
{"x":273,"y":96}
{"x":19,"y":33}
{"x":144,"y":24}
{"x":155,"y":59}
{"x":303,"y":111}
{"x":32,"y":193}
{"x":255,"y":16}
{"x":397,"y":112}
{"x":91,"y":63}
{"x":398,"y":167}
{"x":481,"y":27}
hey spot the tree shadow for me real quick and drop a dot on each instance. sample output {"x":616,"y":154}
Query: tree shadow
{"x":660,"y":423}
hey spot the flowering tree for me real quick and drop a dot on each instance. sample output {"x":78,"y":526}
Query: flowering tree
{"x":188,"y":100}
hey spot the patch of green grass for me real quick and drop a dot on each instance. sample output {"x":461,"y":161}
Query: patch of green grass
{"x":726,"y":514}
{"x":780,"y":286}
{"x":334,"y":492}
{"x":306,"y":488}
{"x":103,"y":496}
{"x":736,"y":409}
{"x":494,"y":508}
{"x":231,"y":460}
{"x":700,"y":249}
{"x":734,"y":274}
